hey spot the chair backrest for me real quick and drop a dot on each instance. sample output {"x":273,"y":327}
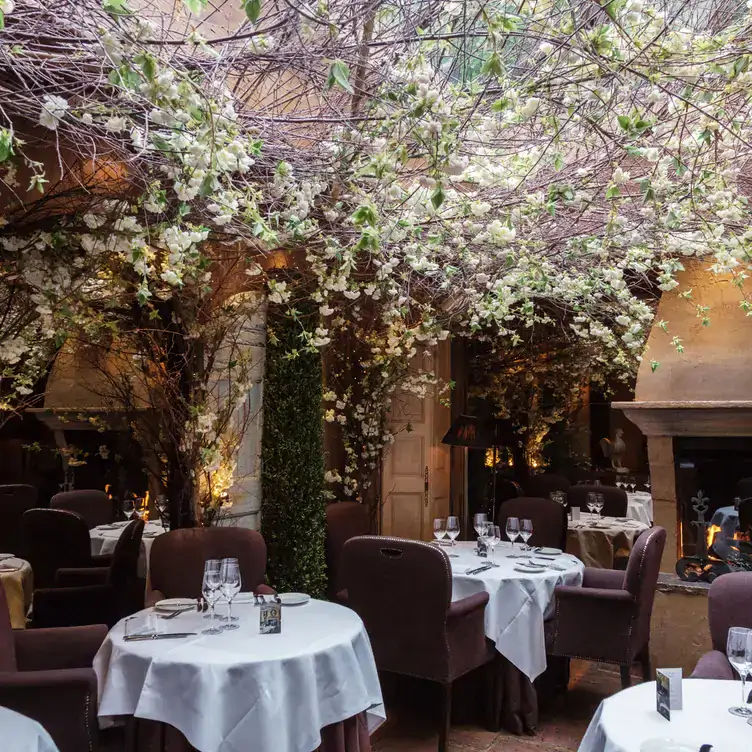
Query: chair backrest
{"x":7,"y":643}
{"x":15,"y":499}
{"x":402,"y":590}
{"x":176,"y":562}
{"x":507,"y":489}
{"x":129,"y":588}
{"x":92,"y":506}
{"x":641,"y":579}
{"x":549,"y":520}
{"x":745,"y":516}
{"x":344,"y":520}
{"x":53,"y":539}
{"x":614,"y":499}
{"x":541,"y":486}
{"x":729,"y":605}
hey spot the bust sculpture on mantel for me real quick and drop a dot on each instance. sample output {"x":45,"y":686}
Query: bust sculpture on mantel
{"x":615,"y":450}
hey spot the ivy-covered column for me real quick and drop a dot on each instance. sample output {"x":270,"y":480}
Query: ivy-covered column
{"x":293,"y":504}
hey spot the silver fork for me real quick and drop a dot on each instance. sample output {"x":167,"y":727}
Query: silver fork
{"x":177,"y":613}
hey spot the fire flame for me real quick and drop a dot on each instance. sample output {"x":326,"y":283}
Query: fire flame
{"x":713,"y":530}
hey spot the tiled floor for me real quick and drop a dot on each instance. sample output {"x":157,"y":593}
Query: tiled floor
{"x":562,"y":725}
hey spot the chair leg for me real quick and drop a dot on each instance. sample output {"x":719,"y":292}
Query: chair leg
{"x":644,"y":659}
{"x":446,"y":716}
{"x":626,"y":678}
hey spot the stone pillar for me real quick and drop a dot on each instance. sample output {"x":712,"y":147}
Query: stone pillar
{"x":663,"y":489}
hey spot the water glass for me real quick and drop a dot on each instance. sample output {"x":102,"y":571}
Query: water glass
{"x":230,"y":587}
{"x":439,"y":529}
{"x":453,"y":528}
{"x":600,"y":502}
{"x":478,"y":519}
{"x":210,"y":589}
{"x":739,"y":653}
{"x":591,"y":501}
{"x":493,"y":537}
{"x":482,"y":530}
{"x":526,"y":531}
{"x":513,"y":529}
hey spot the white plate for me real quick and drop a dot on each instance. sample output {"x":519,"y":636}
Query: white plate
{"x":549,"y":551}
{"x":174,"y":604}
{"x":294,"y":599}
{"x":530,"y":570}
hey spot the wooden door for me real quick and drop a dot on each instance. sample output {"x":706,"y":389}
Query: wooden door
{"x":415,"y":479}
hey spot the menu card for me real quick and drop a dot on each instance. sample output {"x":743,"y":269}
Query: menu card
{"x":270,"y":618}
{"x":668,"y":691}
{"x":575,"y":514}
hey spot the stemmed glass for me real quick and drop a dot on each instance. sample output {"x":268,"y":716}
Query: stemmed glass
{"x":482,"y":530}
{"x":600,"y":502}
{"x":647,"y":484}
{"x":210,"y":589}
{"x":526,"y":530}
{"x":591,"y":501}
{"x":230,"y":587}
{"x":620,"y":484}
{"x":493,"y":537}
{"x":559,"y":497}
{"x":513,"y":529}
{"x":129,"y":509}
{"x":439,"y":529}
{"x":452,"y":528}
{"x":632,"y":485}
{"x":478,"y":520}
{"x":739,"y":653}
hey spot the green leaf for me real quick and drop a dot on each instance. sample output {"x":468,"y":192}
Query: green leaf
{"x":6,"y":144}
{"x":2,"y":20}
{"x":493,"y":65}
{"x":148,"y":65}
{"x":195,"y":6}
{"x":339,"y":74}
{"x":624,"y":122}
{"x":654,"y":365}
{"x":438,"y":195}
{"x":116,"y":7}
{"x":613,"y":192}
{"x":364,"y":215}
{"x":252,"y":9}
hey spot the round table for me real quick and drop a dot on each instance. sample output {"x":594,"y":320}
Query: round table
{"x":105,"y":537}
{"x":597,"y":542}
{"x":640,"y":507}
{"x":18,"y":583}
{"x":626,"y":720}
{"x":518,"y":601}
{"x":22,"y":734}
{"x":241,"y":689}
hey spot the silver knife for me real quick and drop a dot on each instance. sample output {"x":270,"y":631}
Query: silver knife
{"x":480,"y":569}
{"x":160,"y":636}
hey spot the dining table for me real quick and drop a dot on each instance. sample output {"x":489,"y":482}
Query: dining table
{"x":600,"y":541}
{"x":104,"y":538}
{"x":295,"y":691}
{"x":18,"y":582}
{"x":520,"y":585}
{"x":20,"y":733}
{"x":629,"y":722}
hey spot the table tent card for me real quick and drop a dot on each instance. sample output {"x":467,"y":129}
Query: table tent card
{"x":668,"y":690}
{"x":270,"y":618}
{"x":575,"y":514}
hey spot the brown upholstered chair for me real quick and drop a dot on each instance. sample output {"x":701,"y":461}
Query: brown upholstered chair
{"x":92,"y":506}
{"x":729,"y":605}
{"x":402,"y":590}
{"x":176,"y":563}
{"x":549,"y":520}
{"x":47,"y":675}
{"x":614,"y":499}
{"x":96,"y":595}
{"x":55,"y":539}
{"x":344,"y":520}
{"x":608,"y":618}
{"x":15,"y":499}
{"x":543,"y":485}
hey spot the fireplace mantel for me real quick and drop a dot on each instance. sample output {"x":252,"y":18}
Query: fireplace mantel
{"x":690,"y":418}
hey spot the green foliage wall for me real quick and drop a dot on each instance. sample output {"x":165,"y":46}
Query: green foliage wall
{"x":293,"y":504}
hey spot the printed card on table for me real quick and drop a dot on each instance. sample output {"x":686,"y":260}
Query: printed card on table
{"x":271,"y":618}
{"x":668,"y":691}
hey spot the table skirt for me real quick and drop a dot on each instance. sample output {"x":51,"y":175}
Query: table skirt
{"x":514,"y":699}
{"x":350,"y":735}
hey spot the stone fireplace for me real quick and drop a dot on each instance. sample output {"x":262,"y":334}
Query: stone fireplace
{"x":695,"y":407}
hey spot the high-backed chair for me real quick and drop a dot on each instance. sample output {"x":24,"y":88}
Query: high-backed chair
{"x":608,"y":618}
{"x":549,"y":520}
{"x":745,"y":516}
{"x":15,"y":499}
{"x":344,"y":520}
{"x":176,"y":563}
{"x":54,"y":539}
{"x":543,"y":485}
{"x":614,"y":499}
{"x":743,"y":488}
{"x":47,"y":675}
{"x":403,"y":592}
{"x":92,"y":506}
{"x":729,"y":605}
{"x":96,"y":595}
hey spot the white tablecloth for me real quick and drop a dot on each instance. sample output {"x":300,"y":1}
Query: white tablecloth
{"x":640,"y":507}
{"x":242,"y":690}
{"x":626,"y":720}
{"x":518,"y":601}
{"x":22,"y":734}
{"x":104,"y":538}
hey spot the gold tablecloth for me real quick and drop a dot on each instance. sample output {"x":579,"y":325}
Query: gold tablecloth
{"x":16,"y":576}
{"x":598,"y":543}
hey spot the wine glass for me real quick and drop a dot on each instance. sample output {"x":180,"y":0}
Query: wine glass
{"x":482,"y":530}
{"x":632,"y":485}
{"x":559,"y":497}
{"x":591,"y":501}
{"x":230,"y":587}
{"x":647,"y":484}
{"x":526,"y":530}
{"x":129,"y":509}
{"x":513,"y":529}
{"x":739,"y":653}
{"x":493,"y":537}
{"x":162,"y":507}
{"x":210,"y":589}
{"x":439,"y":529}
{"x":619,"y":484}
{"x":452,"y":528}
{"x":478,"y":519}
{"x":600,"y":502}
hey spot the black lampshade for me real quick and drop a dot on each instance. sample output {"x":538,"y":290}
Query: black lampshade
{"x":480,"y":433}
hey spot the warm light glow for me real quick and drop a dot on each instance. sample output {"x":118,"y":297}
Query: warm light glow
{"x":713,"y":530}
{"x":489,"y":458}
